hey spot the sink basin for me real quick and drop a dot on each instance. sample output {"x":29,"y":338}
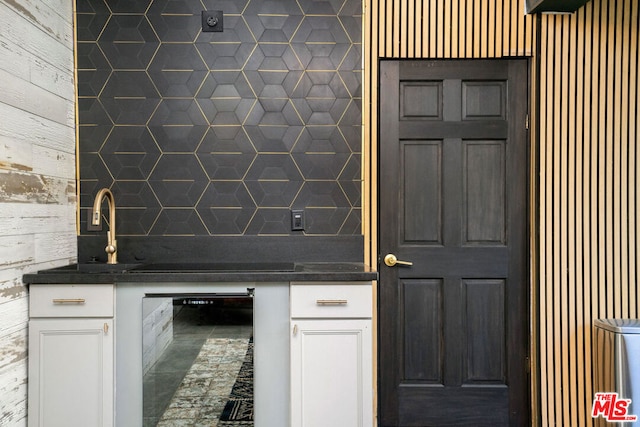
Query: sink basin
{"x":177,"y":267}
{"x":98,"y":267}
{"x":92,"y":267}
{"x":204,"y":267}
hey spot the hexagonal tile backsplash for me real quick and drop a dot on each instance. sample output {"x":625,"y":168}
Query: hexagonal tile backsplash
{"x":221,"y":133}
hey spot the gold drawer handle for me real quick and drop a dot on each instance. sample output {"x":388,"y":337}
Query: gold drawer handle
{"x":68,"y":300}
{"x":331,"y":302}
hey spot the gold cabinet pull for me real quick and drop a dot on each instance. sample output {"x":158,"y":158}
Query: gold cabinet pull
{"x":105,"y":328}
{"x":68,"y":300}
{"x":331,"y":302}
{"x":295,"y":330}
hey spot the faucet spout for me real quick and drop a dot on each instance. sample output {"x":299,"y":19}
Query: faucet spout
{"x":111,"y":249}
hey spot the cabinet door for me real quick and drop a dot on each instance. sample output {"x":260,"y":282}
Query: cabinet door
{"x":331,"y":378}
{"x":70,"y":372}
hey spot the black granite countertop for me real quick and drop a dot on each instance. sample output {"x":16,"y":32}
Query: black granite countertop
{"x":98,"y":273}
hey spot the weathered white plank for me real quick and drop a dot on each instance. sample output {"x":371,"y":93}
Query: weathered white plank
{"x":54,"y":163}
{"x":64,"y":8}
{"x":29,"y":253}
{"x":19,"y":187}
{"x":16,"y":155}
{"x":52,"y":16}
{"x":14,"y":59}
{"x":11,"y":289}
{"x":13,"y":362}
{"x":20,"y":219}
{"x":38,"y":39}
{"x":14,"y":315}
{"x":21,"y":157}
{"x":59,"y":82}
{"x":55,"y":246}
{"x":22,"y":94}
{"x":13,"y":389}
{"x":16,"y":251}
{"x":28,"y":128}
{"x":13,"y":348}
{"x":17,"y":61}
{"x":20,"y":251}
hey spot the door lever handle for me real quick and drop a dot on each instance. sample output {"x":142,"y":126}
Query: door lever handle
{"x":391,"y":260}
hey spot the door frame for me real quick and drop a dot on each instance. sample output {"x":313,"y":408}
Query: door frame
{"x":371,"y":226}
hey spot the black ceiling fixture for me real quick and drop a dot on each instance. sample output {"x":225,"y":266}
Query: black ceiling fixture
{"x":561,"y":6}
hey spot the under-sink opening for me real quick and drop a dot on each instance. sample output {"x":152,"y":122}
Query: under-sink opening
{"x":197,"y":358}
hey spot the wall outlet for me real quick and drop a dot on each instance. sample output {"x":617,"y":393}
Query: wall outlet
{"x":297,"y":220}
{"x":212,"y":21}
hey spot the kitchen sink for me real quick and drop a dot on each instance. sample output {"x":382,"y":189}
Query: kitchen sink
{"x":204,"y":267}
{"x":174,"y":267}
{"x":98,"y":267}
{"x":92,"y":267}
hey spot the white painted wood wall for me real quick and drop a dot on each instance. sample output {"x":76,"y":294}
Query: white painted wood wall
{"x":37,"y":171}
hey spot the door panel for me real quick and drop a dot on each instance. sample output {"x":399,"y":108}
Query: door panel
{"x":483,"y":193}
{"x":422,"y":213}
{"x":453,"y":201}
{"x":484,"y":328}
{"x":422,"y":325}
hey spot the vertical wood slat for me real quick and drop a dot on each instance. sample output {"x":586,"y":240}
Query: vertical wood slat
{"x":433,"y":29}
{"x":633,"y":152}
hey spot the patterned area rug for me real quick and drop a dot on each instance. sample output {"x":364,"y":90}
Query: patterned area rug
{"x":238,"y":410}
{"x":206,"y":389}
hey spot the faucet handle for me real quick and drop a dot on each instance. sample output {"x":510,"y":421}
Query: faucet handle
{"x":111,"y":250}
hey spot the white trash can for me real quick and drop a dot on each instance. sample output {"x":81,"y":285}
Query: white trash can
{"x":617,"y":372}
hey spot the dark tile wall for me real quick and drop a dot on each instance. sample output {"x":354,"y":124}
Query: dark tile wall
{"x":221,"y":133}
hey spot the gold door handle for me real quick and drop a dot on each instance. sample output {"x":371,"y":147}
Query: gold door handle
{"x":391,"y":260}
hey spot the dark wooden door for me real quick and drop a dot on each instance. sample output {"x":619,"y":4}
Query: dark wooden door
{"x":453,"y":327}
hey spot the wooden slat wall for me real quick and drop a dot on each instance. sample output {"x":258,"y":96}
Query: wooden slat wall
{"x":37,"y":171}
{"x":588,"y":208}
{"x":584,"y":163}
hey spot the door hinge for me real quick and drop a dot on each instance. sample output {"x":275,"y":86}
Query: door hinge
{"x":526,"y":122}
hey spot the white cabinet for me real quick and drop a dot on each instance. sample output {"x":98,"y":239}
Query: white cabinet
{"x":71,"y":356}
{"x":331,"y":355}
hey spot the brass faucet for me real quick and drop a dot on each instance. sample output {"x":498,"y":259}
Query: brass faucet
{"x":96,"y":216}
